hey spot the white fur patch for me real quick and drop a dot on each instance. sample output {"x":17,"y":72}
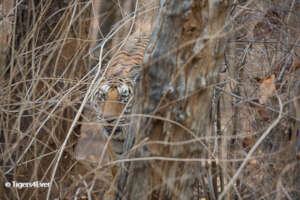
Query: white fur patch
{"x":123,"y":90}
{"x":105,"y":88}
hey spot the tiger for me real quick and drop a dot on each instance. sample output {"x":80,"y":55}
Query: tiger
{"x":113,"y":99}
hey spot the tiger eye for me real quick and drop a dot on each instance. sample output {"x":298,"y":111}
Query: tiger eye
{"x":101,"y":96}
{"x":124,"y":91}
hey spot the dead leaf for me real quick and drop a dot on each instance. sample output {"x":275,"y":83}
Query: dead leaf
{"x":266,"y":88}
{"x":261,"y":30}
{"x":273,"y":17}
{"x":296,"y":63}
{"x":269,"y":24}
{"x":248,"y":142}
{"x":260,"y":111}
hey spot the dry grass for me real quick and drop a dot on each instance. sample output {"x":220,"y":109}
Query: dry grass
{"x":43,"y":86}
{"x":46,"y":76}
{"x":264,"y":46}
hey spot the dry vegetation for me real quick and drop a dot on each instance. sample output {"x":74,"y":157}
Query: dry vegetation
{"x":263,"y":68}
{"x":42,"y":85}
{"x":46,"y":70}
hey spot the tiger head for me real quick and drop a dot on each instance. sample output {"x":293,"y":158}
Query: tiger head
{"x":112,"y":101}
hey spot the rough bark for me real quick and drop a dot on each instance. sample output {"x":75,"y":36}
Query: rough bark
{"x":186,"y":48}
{"x":6,"y":21}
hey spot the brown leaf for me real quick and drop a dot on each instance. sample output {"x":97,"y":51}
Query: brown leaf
{"x":266,"y":88}
{"x":273,"y":17}
{"x":261,"y":30}
{"x":260,"y":111}
{"x":248,"y":142}
{"x":296,"y":63}
{"x":269,"y":23}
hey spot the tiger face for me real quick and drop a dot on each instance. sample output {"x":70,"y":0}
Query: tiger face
{"x":112,"y":101}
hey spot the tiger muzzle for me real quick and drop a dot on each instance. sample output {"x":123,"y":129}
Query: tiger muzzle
{"x":115,"y":127}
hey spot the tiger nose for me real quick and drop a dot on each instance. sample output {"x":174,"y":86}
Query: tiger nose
{"x":110,"y":120}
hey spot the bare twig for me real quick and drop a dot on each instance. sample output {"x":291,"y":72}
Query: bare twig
{"x":259,"y":141}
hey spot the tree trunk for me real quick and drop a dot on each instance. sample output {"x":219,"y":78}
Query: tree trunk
{"x":174,"y":96}
{"x":6,"y":30}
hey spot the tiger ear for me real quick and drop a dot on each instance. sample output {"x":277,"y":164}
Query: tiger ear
{"x":135,"y":75}
{"x":136,"y":78}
